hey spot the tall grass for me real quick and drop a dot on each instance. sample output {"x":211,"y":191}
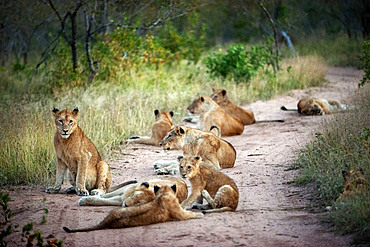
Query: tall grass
{"x":112,"y":111}
{"x":342,"y":145}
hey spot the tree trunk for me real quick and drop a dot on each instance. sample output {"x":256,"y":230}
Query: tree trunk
{"x":73,"y":42}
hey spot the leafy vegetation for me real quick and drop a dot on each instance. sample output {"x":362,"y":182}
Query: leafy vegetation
{"x":366,"y":63}
{"x":343,"y":144}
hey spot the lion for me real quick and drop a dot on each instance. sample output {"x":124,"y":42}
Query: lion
{"x":211,"y":114}
{"x":219,"y":190}
{"x":163,"y":124}
{"x":247,"y":117}
{"x":315,"y":106}
{"x":135,"y":194}
{"x":164,"y":207}
{"x":354,"y":183}
{"x":214,"y":151}
{"x":77,"y":154}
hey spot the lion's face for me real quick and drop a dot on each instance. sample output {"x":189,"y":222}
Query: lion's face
{"x":312,"y":108}
{"x":65,"y":121}
{"x":218,"y":95}
{"x":141,"y":195}
{"x":196,"y":106}
{"x":173,"y":138}
{"x":354,"y":181}
{"x":189,"y":166}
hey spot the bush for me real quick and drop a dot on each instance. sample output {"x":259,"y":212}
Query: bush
{"x":238,"y":63}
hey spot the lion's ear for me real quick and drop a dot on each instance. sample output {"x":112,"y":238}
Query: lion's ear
{"x":171,"y":113}
{"x":213,"y":89}
{"x":146,"y":184}
{"x":201,"y":99}
{"x":173,"y":187}
{"x":55,"y":111}
{"x":180,"y":157}
{"x":223,"y":92}
{"x":156,"y":188}
{"x":182,"y":131}
{"x":156,"y":112}
{"x":75,"y":112}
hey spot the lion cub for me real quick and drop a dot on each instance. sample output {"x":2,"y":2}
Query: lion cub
{"x":77,"y":154}
{"x":315,"y":106}
{"x":212,"y":114}
{"x":164,"y":207}
{"x":354,"y":183}
{"x":218,"y":189}
{"x":163,"y":124}
{"x":135,"y":194}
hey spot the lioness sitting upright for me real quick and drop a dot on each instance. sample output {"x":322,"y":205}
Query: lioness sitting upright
{"x":211,"y":114}
{"x":220,"y":97}
{"x":77,"y":154}
{"x":315,"y":106}
{"x":214,"y":151}
{"x":164,"y":207}
{"x":218,"y":189}
{"x":163,"y":124}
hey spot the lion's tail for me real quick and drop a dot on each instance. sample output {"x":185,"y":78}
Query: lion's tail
{"x":271,"y":121}
{"x":217,"y":210}
{"x":87,"y":229}
{"x":118,"y":186}
{"x":286,"y":109}
{"x":218,"y":134}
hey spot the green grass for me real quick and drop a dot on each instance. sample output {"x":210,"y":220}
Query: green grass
{"x":336,"y":51}
{"x":342,"y":145}
{"x":112,"y":111}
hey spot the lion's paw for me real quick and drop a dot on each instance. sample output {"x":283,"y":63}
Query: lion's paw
{"x":82,"y":192}
{"x":199,"y":215}
{"x":52,"y":190}
{"x":98,"y":192}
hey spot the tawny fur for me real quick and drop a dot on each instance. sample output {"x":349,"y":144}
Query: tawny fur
{"x":163,"y":124}
{"x":315,"y":106}
{"x":135,"y":194}
{"x":211,"y":114}
{"x":77,"y":154}
{"x":354,"y":183}
{"x":213,"y":150}
{"x":218,"y":189}
{"x":221,"y":98}
{"x":164,"y":207}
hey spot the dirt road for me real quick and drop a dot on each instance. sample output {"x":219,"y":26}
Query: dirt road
{"x":271,"y":211}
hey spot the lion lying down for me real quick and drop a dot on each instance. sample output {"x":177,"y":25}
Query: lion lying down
{"x":164,"y":207}
{"x":135,"y":194}
{"x":315,"y":106}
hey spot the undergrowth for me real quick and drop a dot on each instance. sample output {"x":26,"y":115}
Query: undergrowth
{"x":343,"y":143}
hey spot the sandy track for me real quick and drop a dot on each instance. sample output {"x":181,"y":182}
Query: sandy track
{"x":271,"y":211}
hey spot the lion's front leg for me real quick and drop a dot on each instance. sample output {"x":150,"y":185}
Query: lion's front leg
{"x":81,"y":177}
{"x":192,"y":198}
{"x":61,"y":169}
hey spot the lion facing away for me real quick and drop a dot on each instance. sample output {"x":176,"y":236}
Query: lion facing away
{"x":211,"y":114}
{"x":315,"y":106}
{"x":164,"y":207}
{"x":77,"y":155}
{"x":247,"y":117}
{"x":354,"y":183}
{"x":135,"y":194}
{"x":218,"y":189}
{"x":163,"y":124}
{"x":214,"y":151}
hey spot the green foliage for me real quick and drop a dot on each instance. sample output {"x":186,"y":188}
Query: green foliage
{"x":343,"y":144}
{"x":6,"y":213}
{"x":366,"y":63}
{"x":238,"y":63}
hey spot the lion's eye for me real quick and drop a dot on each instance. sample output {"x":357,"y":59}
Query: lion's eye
{"x":181,"y":167}
{"x":189,"y":167}
{"x":70,"y":122}
{"x":61,"y":121}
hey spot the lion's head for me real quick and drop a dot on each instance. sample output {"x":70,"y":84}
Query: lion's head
{"x":140,"y":195}
{"x":311,"y":108}
{"x":189,"y":166}
{"x":163,"y":115}
{"x":65,"y":121}
{"x":201,"y":104}
{"x":173,"y":138}
{"x":219,"y":95}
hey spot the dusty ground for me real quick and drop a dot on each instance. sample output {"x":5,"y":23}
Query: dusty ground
{"x":271,"y":211}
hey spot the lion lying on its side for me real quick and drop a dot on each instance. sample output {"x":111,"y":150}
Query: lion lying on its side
{"x":315,"y":106}
{"x":135,"y":194}
{"x":164,"y":207}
